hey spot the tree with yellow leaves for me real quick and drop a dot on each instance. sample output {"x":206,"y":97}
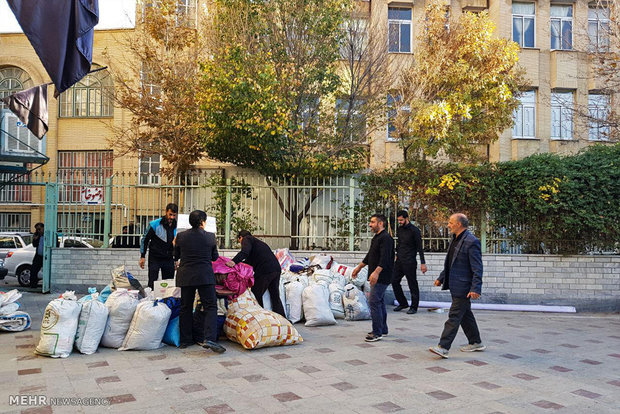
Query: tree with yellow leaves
{"x":461,"y":92}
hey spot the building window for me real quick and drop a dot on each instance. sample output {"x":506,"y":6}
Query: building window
{"x":149,"y":169}
{"x":185,"y":14}
{"x":598,"y":110}
{"x":14,"y":222}
{"x":598,"y":29}
{"x":15,"y":136}
{"x":394,"y":107}
{"x":399,"y":30}
{"x":561,"y":27}
{"x":148,"y":83}
{"x":354,"y":43}
{"x":15,"y":192}
{"x":525,"y":116}
{"x":90,"y":97}
{"x":354,"y":128}
{"x":562,"y":115}
{"x":524,"y":24}
{"x":83,"y":174}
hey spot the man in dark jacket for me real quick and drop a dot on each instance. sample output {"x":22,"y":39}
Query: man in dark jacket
{"x":462,"y":275}
{"x":409,"y":245}
{"x":38,"y":240}
{"x":196,"y":249}
{"x":267,"y":269}
{"x":157,"y":239}
{"x":380,"y":261}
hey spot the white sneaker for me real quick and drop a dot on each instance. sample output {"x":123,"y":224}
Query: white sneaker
{"x":473,"y":348}
{"x":442,"y":352}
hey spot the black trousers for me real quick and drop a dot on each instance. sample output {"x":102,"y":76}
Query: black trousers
{"x":409,"y":271}
{"x":167,"y":270}
{"x":189,"y":335}
{"x":460,"y":315}
{"x":37,"y":264}
{"x":270,"y":282}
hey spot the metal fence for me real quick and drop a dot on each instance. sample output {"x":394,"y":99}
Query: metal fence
{"x":310,"y":214}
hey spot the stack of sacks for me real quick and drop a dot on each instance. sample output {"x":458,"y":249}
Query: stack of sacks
{"x":253,"y":327}
{"x":91,"y":324}
{"x":59,"y":325}
{"x":148,"y":326}
{"x":11,"y":319}
{"x":355,"y":304}
{"x":121,"y":304}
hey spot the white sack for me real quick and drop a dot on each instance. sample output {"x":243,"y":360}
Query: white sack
{"x":92,"y":322}
{"x":336,"y":292}
{"x":283,"y":297}
{"x":147,"y":326}
{"x":355,"y":304}
{"x":316,"y":306}
{"x":122,"y":306}
{"x":347,"y":272}
{"x":294,"y":291}
{"x":321,"y":260}
{"x":58,"y":326}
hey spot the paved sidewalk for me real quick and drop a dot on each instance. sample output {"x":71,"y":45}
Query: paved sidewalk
{"x":535,"y":363}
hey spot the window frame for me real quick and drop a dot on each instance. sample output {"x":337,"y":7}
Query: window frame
{"x":519,"y":110}
{"x":151,"y":178}
{"x":79,"y":97}
{"x":394,"y":107}
{"x":522,"y":17}
{"x":561,"y":20}
{"x":602,"y":112}
{"x":565,"y":112}
{"x":400,"y":22}
{"x":596,"y":46}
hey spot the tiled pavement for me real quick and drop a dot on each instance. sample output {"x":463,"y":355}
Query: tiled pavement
{"x":535,"y":363}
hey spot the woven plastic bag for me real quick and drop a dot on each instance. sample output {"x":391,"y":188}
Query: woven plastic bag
{"x":147,"y":326}
{"x":58,"y":326}
{"x":92,"y":322}
{"x":122,"y":305}
{"x":253,"y":327}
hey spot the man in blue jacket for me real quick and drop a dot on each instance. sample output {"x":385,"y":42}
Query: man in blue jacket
{"x":462,"y":275}
{"x":158,"y":239}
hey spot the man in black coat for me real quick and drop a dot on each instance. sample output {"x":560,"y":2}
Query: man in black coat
{"x":196,"y":249}
{"x":462,"y":275}
{"x":267,"y":269}
{"x":408,"y":247}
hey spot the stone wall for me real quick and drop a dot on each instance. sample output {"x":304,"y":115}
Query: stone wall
{"x":590,"y":283}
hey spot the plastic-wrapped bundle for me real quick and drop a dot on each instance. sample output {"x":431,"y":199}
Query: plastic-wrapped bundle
{"x":294,"y":302}
{"x":254,"y":327}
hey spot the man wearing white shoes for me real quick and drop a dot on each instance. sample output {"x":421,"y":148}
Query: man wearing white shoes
{"x":462,"y":275}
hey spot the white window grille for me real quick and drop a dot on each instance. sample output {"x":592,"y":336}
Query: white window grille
{"x":598,"y":108}
{"x":561,"y":27}
{"x":562,"y":115}
{"x":524,"y":24}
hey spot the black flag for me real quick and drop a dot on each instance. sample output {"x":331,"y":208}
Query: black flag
{"x":61,"y":32}
{"x":30,"y":106}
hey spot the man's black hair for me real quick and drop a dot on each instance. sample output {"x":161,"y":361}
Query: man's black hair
{"x":402,"y":213}
{"x":196,"y":218}
{"x":172,"y":207}
{"x":381,"y":218}
{"x":244,"y":233}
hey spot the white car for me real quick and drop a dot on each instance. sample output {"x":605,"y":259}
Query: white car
{"x":19,"y":261}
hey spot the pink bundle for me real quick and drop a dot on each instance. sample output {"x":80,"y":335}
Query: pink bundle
{"x":238,"y":279}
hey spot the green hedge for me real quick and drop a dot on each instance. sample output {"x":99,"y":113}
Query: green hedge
{"x":545,"y":203}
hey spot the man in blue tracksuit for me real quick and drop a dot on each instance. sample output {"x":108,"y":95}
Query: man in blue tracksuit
{"x":158,"y":239}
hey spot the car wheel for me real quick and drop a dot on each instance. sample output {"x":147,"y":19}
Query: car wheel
{"x":23,"y":275}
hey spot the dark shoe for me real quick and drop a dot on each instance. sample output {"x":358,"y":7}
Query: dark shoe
{"x":383,"y":334}
{"x":214,"y":346}
{"x":184,"y":345}
{"x":372,"y":338}
{"x":412,"y":311}
{"x":399,"y":308}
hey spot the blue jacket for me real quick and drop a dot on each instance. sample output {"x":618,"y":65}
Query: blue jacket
{"x":465,"y":274}
{"x":156,"y":239}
